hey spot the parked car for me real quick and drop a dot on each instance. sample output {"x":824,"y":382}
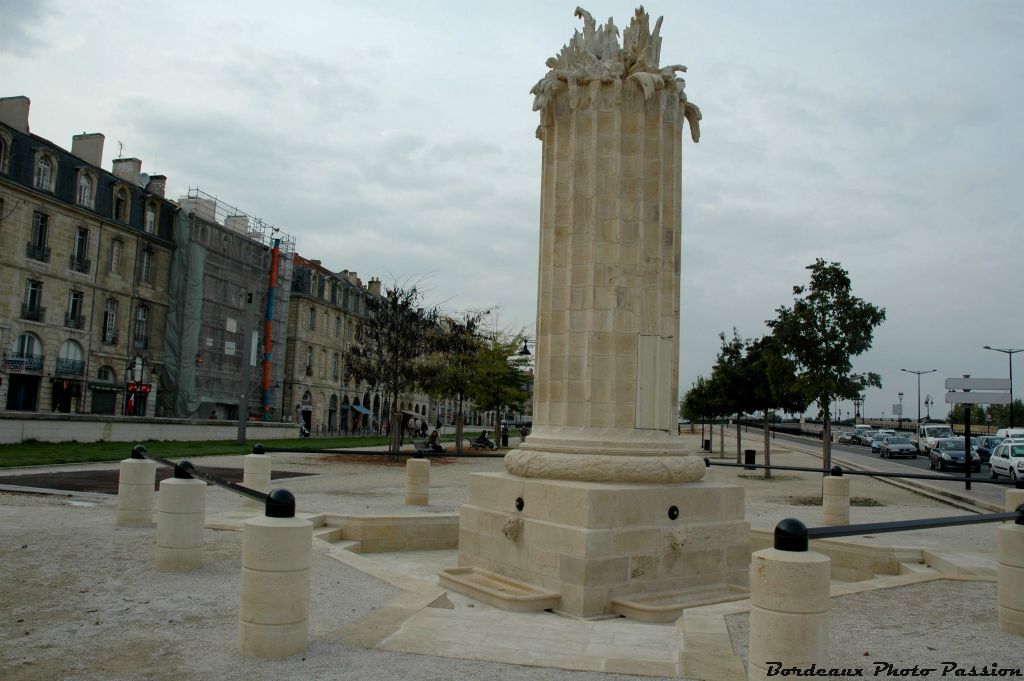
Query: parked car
{"x":1007,"y":459}
{"x":1010,"y":432}
{"x":897,"y":445}
{"x":863,"y":437}
{"x":929,"y":433}
{"x":948,"y":452}
{"x":986,"y":443}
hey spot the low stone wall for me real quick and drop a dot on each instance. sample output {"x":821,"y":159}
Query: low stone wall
{"x":16,"y":428}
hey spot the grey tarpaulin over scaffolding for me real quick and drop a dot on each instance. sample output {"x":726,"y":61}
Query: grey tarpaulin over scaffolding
{"x":178,"y":393}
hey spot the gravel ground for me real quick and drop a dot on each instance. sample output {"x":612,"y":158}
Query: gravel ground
{"x":79,"y":598}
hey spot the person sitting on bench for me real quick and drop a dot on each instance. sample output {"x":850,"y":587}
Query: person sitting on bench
{"x":435,"y":441}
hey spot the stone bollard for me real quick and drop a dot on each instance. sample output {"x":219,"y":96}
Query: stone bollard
{"x":1010,"y":585}
{"x":135,"y":486}
{"x":835,"y":498}
{"x":180,"y":522}
{"x":256,"y":474}
{"x":276,"y":557}
{"x":789,"y":601}
{"x":417,"y":482}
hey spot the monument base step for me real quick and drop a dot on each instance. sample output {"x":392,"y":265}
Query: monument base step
{"x":497,"y":590}
{"x":668,"y":606}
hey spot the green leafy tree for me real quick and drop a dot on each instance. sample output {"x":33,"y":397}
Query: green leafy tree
{"x":773,"y":385}
{"x":455,"y":365}
{"x":824,"y":329}
{"x":730,"y":380}
{"x":391,"y":348}
{"x":1001,"y":414}
{"x":498,"y":382}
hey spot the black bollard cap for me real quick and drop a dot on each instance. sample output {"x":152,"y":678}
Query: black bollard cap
{"x":836,"y":471}
{"x":707,"y":462}
{"x":183,"y":470}
{"x":259,"y":449}
{"x":280,"y":504}
{"x":791,"y":535}
{"x":139,"y":452}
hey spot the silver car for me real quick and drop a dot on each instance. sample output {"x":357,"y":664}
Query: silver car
{"x":1007,"y":459}
{"x":898,"y":445}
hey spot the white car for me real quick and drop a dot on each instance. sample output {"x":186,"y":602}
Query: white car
{"x":1007,"y":459}
{"x":930,"y":433}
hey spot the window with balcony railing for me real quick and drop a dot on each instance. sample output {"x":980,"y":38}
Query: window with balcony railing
{"x":72,"y":367}
{"x":79,"y":264}
{"x":37,"y":252}
{"x":33,"y":313}
{"x":73,"y":321}
{"x":141,"y":342}
{"x":24,"y":362}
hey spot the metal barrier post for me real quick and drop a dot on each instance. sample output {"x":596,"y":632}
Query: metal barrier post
{"x":276,"y":559}
{"x":1011,"y":575}
{"x":789,"y":602}
{"x":180,"y":521}
{"x":135,"y":486}
{"x":835,"y":498}
{"x":256,"y":474}
{"x":417,"y":482}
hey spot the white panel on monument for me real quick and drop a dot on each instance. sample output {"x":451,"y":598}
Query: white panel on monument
{"x":605,"y":500}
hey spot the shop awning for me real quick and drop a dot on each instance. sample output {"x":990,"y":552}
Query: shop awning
{"x":361,"y":409}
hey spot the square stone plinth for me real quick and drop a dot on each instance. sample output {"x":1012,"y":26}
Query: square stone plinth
{"x":593,"y":542}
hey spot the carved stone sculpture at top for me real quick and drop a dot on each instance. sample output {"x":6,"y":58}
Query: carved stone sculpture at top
{"x":595,"y":56}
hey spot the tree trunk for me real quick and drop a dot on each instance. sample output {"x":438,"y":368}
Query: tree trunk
{"x":739,"y":447}
{"x":459,"y":427}
{"x":826,"y":442}
{"x":721,"y":439}
{"x":395,"y":445}
{"x":767,"y":448}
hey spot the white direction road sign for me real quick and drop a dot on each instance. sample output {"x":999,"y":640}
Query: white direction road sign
{"x":977,"y":384}
{"x":980,"y":391}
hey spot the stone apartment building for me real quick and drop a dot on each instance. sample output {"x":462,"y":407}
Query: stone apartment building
{"x":83,"y":273}
{"x":325,"y":308}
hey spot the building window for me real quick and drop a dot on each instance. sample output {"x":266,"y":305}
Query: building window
{"x":5,"y":151}
{"x":150,"y":225}
{"x":142,"y":327}
{"x":28,"y":353}
{"x":106,"y":374}
{"x":334,"y":367}
{"x":116,"y":248}
{"x":37,"y":248}
{"x":45,"y":168}
{"x":85,"y":192}
{"x":110,"y":321}
{"x":69,"y":359}
{"x":312,"y":318}
{"x":337,"y":326}
{"x":121,"y":205}
{"x":309,"y":361}
{"x":146,"y":268}
{"x":79,"y":260}
{"x":73,"y":317}
{"x":32,"y":306}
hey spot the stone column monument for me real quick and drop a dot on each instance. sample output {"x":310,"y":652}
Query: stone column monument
{"x":604,"y":500}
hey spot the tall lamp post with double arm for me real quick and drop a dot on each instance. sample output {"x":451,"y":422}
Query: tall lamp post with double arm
{"x":918,"y":373}
{"x":1009,"y":352}
{"x":899,"y":422}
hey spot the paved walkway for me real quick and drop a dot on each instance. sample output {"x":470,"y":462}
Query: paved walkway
{"x":85,"y":603}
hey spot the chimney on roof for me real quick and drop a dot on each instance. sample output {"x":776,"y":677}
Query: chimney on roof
{"x":375,"y":286}
{"x":157,"y":185}
{"x":14,"y":112}
{"x":88,"y":147}
{"x":128,"y":169}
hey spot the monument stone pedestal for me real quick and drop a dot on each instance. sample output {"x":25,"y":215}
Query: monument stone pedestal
{"x":602,"y":502}
{"x":594,"y":542}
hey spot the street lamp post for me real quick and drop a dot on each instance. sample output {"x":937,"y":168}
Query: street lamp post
{"x":899,"y":422}
{"x":1009,"y":352}
{"x":928,"y":405}
{"x":918,"y":373}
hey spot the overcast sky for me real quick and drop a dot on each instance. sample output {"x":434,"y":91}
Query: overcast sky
{"x":396,"y":139}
